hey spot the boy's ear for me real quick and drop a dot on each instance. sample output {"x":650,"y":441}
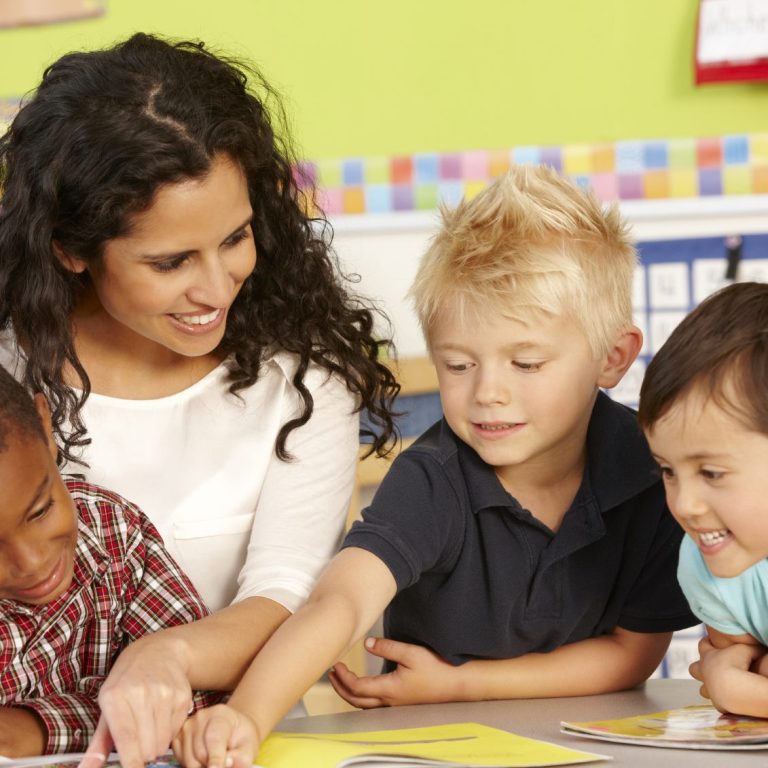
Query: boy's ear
{"x":620,"y":357}
{"x":67,"y":260}
{"x":44,"y":412}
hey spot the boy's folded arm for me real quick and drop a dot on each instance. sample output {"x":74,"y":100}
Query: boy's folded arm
{"x":602,"y":664}
{"x":611,"y":662}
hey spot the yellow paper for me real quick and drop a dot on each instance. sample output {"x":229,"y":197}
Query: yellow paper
{"x":466,"y":744}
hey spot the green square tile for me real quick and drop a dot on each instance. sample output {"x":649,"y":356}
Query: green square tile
{"x":425,"y":196}
{"x":377,"y":170}
{"x":681,"y":153}
{"x":329,"y":173}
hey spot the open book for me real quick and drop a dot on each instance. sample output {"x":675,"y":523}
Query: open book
{"x":458,"y":745}
{"x":694,"y":727}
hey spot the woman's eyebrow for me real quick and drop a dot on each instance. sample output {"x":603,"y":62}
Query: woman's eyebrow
{"x":176,"y":254}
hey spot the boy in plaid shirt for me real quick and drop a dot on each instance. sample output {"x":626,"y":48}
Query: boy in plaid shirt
{"x":82,"y":574}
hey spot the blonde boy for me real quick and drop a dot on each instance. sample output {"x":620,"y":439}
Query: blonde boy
{"x":523,"y":541}
{"x":704,"y":406}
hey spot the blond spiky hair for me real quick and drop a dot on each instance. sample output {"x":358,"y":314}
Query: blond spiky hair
{"x":532,"y":241}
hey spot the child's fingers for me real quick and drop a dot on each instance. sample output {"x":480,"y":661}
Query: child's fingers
{"x":344,"y":692}
{"x":239,"y":758}
{"x":211,"y":745}
{"x":392,"y":650}
{"x":363,"y":692}
{"x":182,"y":745}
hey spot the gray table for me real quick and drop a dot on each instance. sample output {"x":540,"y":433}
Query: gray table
{"x":540,"y":719}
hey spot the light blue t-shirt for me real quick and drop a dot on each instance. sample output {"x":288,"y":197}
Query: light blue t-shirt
{"x":734,"y":606}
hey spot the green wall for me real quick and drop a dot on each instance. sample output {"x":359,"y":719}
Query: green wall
{"x":366,"y":77}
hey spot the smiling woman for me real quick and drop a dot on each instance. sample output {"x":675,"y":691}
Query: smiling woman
{"x":161,"y":293}
{"x":162,"y":285}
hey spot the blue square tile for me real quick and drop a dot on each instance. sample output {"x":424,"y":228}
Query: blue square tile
{"x":426,"y":168}
{"x":378,"y":198}
{"x":526,"y":155}
{"x":582,"y":181}
{"x":629,"y":157}
{"x":655,"y":155}
{"x":736,"y":150}
{"x":352,"y":174}
{"x":450,"y":192}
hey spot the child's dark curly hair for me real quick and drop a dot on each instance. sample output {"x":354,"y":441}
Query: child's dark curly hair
{"x":104,"y":130}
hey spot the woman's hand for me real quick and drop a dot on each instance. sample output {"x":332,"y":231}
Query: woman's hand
{"x":217,"y":737}
{"x":144,"y":700}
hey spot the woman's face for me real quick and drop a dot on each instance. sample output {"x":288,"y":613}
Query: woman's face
{"x":169,"y":284}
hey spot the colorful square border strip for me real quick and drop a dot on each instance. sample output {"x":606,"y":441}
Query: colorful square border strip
{"x":624,"y":170}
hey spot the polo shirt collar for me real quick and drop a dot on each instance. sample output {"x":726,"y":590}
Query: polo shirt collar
{"x":619,"y":463}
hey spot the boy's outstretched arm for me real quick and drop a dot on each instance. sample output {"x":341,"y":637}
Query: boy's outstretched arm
{"x":602,"y":664}
{"x":347,"y":600}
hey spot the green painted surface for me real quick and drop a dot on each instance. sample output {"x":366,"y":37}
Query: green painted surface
{"x":364,"y":77}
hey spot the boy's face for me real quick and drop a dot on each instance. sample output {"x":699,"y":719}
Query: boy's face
{"x":519,"y":393}
{"x":716,"y":477}
{"x":38,"y":523}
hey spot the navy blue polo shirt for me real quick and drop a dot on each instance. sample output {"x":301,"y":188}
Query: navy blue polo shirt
{"x":478,"y":577}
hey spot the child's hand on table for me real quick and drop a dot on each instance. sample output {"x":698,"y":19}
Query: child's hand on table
{"x":217,"y":737}
{"x":421,"y":677}
{"x":721,"y":670}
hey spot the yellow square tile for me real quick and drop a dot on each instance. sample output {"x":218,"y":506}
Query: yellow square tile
{"x":603,"y":158}
{"x":737,"y":180}
{"x":683,"y":182}
{"x":760,"y":179}
{"x":473,"y":188}
{"x":758,"y":148}
{"x":655,"y":184}
{"x":329,"y":172}
{"x":498,"y":163}
{"x":354,"y":200}
{"x":577,"y":159}
{"x":377,"y":170}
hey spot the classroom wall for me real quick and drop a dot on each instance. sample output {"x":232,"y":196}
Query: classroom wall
{"x":364,"y":77}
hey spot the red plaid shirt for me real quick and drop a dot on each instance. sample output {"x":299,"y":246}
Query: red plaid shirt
{"x":54,"y":657}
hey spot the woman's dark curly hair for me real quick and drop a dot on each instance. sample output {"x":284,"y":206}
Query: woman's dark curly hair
{"x":104,"y":130}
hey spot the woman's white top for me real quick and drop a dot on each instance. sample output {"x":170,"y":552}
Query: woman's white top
{"x":201,"y":464}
